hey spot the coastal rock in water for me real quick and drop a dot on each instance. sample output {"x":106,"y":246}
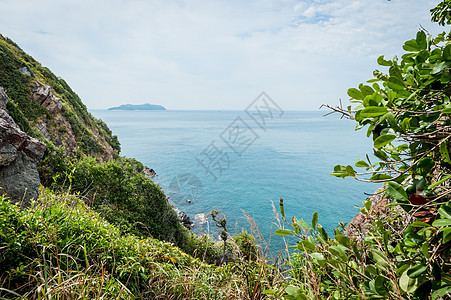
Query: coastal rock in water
{"x":150,"y":173}
{"x":19,"y":154}
{"x":184,"y":218}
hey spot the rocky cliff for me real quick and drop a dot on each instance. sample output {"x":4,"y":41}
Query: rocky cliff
{"x":19,"y":154}
{"x":45,"y":107}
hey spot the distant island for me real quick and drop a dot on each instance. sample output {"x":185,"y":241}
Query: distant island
{"x":146,"y":106}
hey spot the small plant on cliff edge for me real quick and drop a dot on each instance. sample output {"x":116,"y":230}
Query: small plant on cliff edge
{"x":221,"y":223}
{"x":406,"y":253}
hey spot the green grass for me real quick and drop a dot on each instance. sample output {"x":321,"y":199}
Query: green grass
{"x":61,"y":249}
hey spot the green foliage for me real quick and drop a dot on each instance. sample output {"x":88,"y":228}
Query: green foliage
{"x":221,"y":223}
{"x":404,"y":253}
{"x":391,"y":258}
{"x":108,"y":135}
{"x":60,"y":248}
{"x":442,"y":13}
{"x":246,"y":245}
{"x":119,"y":191}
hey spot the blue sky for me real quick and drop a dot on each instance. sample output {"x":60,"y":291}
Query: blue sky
{"x":213,"y":54}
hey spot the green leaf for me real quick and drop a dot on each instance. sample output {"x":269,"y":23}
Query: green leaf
{"x":317,"y":256}
{"x":395,"y":83}
{"x":408,"y":284}
{"x":291,"y":290}
{"x":381,"y":61}
{"x":269,"y":292}
{"x":366,"y":90}
{"x":282,"y":209}
{"x":411,"y":46}
{"x":420,"y":224}
{"x":445,"y":211}
{"x":342,"y":239}
{"x":446,"y":234}
{"x":440,"y":293}
{"x":446,"y":110}
{"x":373,"y":111}
{"x":439,"y":182}
{"x":283,"y":232}
{"x":379,"y":258}
{"x":421,"y":40}
{"x":304,"y":225}
{"x":361,"y":163}
{"x":392,"y":121}
{"x":442,"y":223}
{"x":397,"y":192}
{"x":416,"y":271}
{"x":340,"y":171}
{"x":379,"y":285}
{"x":355,"y":93}
{"x":383,"y":140}
{"x":340,"y":251}
{"x":314,"y":219}
{"x":444,"y":152}
{"x":322,"y":233}
{"x":380,"y":177}
{"x":307,"y":245}
{"x":350,"y":171}
{"x":440,"y":66}
{"x":447,"y":52}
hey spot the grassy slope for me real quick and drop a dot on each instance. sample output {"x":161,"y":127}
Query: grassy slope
{"x":61,"y":247}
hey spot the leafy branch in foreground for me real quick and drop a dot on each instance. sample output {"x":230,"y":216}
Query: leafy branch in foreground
{"x":390,"y":260}
{"x":403,"y":252}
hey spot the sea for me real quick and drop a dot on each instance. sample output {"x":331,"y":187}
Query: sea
{"x":243,"y":163}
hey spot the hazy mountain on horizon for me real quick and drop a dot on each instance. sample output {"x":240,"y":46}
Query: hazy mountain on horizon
{"x":145,"y":106}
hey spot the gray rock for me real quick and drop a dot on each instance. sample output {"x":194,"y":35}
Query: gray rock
{"x":3,"y":98}
{"x":25,"y":71}
{"x":184,"y":218}
{"x":20,"y":179}
{"x":43,"y":95}
{"x":8,"y":153}
{"x":19,"y":154}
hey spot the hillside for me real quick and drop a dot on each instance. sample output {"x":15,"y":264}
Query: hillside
{"x":81,"y":154}
{"x":45,"y":107}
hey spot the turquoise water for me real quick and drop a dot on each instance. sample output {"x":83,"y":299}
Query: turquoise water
{"x":292,"y":160}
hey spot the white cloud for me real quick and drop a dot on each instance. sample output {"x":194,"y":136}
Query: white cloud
{"x":212,"y":54}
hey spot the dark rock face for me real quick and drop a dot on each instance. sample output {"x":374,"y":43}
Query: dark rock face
{"x":184,"y":218}
{"x":19,"y":154}
{"x":150,"y":173}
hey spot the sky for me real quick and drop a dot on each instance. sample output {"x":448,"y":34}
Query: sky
{"x":213,"y":55}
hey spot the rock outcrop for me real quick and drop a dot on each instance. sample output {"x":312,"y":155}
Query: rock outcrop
{"x":57,"y":127}
{"x":184,"y":218}
{"x":149,"y":173}
{"x":42,"y":95}
{"x":361,"y":223}
{"x":19,"y":154}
